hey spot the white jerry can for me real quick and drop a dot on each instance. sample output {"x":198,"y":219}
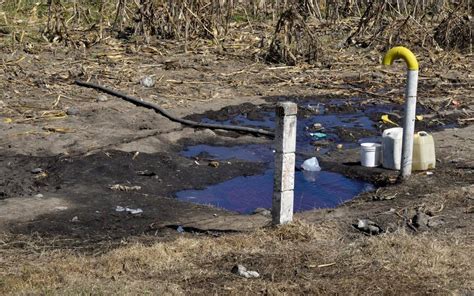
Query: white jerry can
{"x":424,"y":157}
{"x":392,"y":139}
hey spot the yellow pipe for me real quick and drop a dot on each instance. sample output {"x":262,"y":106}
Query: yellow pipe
{"x":400,"y":52}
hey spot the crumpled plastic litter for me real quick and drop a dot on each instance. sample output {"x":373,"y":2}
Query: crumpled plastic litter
{"x":129,"y":210}
{"x":311,"y":165}
{"x":318,"y":135}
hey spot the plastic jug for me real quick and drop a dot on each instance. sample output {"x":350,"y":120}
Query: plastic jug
{"x":424,"y":157}
{"x":392,"y":139}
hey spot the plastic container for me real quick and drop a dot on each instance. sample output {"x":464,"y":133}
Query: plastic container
{"x":370,"y":154}
{"x":392,"y":139}
{"x":424,"y":157}
{"x":311,"y":165}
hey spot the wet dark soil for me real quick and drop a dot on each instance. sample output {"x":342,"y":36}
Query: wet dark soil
{"x":86,"y":183}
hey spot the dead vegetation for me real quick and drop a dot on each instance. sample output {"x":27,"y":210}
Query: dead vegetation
{"x":294,"y":259}
{"x":283,"y":31}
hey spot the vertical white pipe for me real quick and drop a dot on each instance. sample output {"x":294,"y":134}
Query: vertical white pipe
{"x":409,"y":123}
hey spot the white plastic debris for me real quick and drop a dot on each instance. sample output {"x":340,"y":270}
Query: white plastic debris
{"x":242,"y":271}
{"x":147,"y":81}
{"x":129,"y":210}
{"x":119,"y":187}
{"x":368,"y":226}
{"x":180,"y":229}
{"x":311,"y":165}
{"x":134,"y":211}
{"x":75,"y":219}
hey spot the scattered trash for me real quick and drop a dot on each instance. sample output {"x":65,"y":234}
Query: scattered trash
{"x":315,"y":127}
{"x":147,"y":81}
{"x":317,"y":109}
{"x":102,"y":98}
{"x":39,"y":195}
{"x":326,"y":265}
{"x":318,"y":136}
{"x":214,"y":164}
{"x":339,"y":146}
{"x":135,"y":155}
{"x":60,"y":208}
{"x":7,"y":120}
{"x":242,"y":271}
{"x":75,"y":219}
{"x":180,"y":229}
{"x":36,"y":170}
{"x":368,"y":226}
{"x":311,"y":165}
{"x":387,"y":120}
{"x":72,"y":111}
{"x":419,"y":117}
{"x":429,"y":173}
{"x":129,"y":210}
{"x":119,"y":187}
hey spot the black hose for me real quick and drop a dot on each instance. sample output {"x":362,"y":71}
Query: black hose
{"x":171,"y":117}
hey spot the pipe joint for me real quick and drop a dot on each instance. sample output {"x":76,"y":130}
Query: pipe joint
{"x":400,"y":52}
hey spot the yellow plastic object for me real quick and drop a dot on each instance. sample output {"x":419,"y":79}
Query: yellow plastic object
{"x":424,"y":157}
{"x":400,"y":52}
{"x":385,"y":119}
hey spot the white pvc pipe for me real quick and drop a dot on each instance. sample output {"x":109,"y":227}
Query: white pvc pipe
{"x":409,"y":123}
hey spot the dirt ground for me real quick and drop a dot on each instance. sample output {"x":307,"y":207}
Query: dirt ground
{"x":62,"y":148}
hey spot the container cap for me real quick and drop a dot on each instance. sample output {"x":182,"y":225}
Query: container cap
{"x":395,"y":132}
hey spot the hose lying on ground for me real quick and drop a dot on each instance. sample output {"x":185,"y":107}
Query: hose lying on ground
{"x":171,"y":117}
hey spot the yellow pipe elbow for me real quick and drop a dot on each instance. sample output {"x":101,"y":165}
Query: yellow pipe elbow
{"x":400,"y":52}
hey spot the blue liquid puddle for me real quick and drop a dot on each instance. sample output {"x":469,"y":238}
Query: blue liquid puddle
{"x":312,"y":189}
{"x":245,"y":194}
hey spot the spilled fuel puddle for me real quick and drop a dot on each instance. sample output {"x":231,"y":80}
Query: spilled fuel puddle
{"x":323,"y":125}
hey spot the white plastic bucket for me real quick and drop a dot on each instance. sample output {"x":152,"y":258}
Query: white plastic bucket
{"x":370,"y":154}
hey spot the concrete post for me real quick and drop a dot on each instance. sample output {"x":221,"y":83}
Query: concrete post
{"x":284,"y":179}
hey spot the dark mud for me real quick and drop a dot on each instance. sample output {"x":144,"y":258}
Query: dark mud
{"x":86,"y":181}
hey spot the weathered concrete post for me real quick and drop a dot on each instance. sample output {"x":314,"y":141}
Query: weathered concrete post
{"x":284,"y":179}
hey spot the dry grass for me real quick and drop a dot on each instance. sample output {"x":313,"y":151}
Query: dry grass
{"x":295,"y":259}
